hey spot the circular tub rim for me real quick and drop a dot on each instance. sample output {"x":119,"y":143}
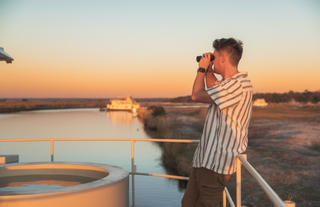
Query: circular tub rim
{"x":115,"y":175}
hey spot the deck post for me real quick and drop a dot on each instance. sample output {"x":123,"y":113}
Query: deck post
{"x":133,"y":171}
{"x":224,"y":198}
{"x":238,"y":179}
{"x":290,"y":204}
{"x":51,"y":150}
{"x":238,"y":182}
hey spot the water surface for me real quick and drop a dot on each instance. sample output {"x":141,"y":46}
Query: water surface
{"x":91,"y":123}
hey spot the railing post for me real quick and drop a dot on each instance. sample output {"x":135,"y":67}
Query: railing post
{"x":238,"y":180}
{"x":52,"y":150}
{"x":224,"y":198}
{"x":133,"y":171}
{"x":290,"y":203}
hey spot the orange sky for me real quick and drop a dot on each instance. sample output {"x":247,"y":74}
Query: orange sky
{"x":48,"y":81}
{"x":149,"y":49}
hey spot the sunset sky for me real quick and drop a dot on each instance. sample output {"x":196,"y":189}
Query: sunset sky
{"x":100,"y":49}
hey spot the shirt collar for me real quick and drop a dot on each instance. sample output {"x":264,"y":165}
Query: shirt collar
{"x":240,"y":74}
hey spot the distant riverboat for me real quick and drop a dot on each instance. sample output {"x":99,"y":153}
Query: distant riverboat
{"x":127,"y":104}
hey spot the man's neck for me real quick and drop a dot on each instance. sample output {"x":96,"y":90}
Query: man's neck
{"x":229,"y":72}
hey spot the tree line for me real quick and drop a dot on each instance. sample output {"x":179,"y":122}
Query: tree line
{"x":301,"y":97}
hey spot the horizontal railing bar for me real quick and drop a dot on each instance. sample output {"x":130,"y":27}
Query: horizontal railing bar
{"x":276,"y":200}
{"x":162,"y":175}
{"x":229,"y":197}
{"x":101,"y":139}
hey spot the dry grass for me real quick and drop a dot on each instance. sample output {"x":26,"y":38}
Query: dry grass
{"x":284,"y":147}
{"x":284,"y":143}
{"x":287,"y":112}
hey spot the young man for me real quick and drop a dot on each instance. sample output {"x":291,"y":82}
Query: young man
{"x":225,"y":132}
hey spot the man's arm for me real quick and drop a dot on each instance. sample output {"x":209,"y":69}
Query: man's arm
{"x":198,"y":92}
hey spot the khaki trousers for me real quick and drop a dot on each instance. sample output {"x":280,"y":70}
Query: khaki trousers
{"x":204,"y":188}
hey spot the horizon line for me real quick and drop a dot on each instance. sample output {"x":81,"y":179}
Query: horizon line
{"x":315,"y":91}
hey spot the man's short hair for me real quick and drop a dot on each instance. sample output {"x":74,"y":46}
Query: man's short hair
{"x":232,"y":46}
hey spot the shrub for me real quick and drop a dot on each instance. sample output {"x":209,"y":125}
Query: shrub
{"x":157,"y":110}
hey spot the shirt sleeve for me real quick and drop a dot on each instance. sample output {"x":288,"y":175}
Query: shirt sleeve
{"x":226,"y":94}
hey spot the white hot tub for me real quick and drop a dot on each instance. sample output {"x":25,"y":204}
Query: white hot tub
{"x":63,"y":184}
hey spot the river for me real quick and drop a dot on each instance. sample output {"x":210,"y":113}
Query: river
{"x":91,"y":123}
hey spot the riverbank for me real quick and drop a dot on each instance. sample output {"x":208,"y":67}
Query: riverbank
{"x":284,"y":147}
{"x":17,"y":105}
{"x":176,"y":123}
{"x":24,"y":104}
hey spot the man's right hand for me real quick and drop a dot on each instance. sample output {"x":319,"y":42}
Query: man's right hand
{"x":211,"y":79}
{"x":210,"y":70}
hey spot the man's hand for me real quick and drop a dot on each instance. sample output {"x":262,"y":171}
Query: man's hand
{"x":211,"y":79}
{"x":210,"y":70}
{"x":198,"y":91}
{"x":205,"y":61}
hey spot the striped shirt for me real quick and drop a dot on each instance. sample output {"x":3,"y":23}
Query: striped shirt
{"x":225,"y":132}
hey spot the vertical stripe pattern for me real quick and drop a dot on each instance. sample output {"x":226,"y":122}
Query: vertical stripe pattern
{"x":225,"y":132}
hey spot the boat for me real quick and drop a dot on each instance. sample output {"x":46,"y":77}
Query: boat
{"x":123,"y":104}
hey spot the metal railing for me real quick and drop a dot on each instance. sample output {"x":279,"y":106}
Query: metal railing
{"x":240,"y":160}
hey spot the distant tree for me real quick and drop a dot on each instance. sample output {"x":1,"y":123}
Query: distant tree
{"x":157,"y":110}
{"x":315,"y":99}
{"x":304,"y":97}
{"x":182,"y":99}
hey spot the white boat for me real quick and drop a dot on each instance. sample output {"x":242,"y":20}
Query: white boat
{"x":124,"y":104}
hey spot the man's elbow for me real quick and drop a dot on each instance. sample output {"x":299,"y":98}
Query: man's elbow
{"x":202,"y":98}
{"x":194,"y":98}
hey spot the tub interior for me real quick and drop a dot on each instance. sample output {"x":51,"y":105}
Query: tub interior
{"x":17,"y":179}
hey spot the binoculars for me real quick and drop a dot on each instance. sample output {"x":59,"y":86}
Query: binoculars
{"x":198,"y":58}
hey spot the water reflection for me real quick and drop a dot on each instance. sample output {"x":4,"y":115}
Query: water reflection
{"x":120,"y":118}
{"x":90,"y":123}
